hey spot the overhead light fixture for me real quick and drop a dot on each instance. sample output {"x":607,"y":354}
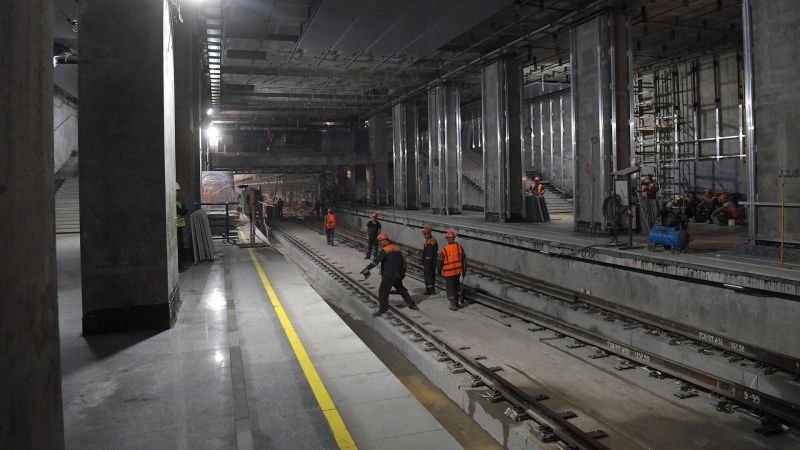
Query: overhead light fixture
{"x":210,"y":111}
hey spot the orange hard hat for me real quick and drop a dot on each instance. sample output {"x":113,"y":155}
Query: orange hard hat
{"x":709,"y":192}
{"x":374,"y":214}
{"x":426,"y":230}
{"x":330,"y":210}
{"x":724,"y":196}
{"x":536,"y":179}
{"x":450,"y":234}
{"x":383,"y":237}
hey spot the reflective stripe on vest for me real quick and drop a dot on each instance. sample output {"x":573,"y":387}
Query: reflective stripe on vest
{"x":330,"y":222}
{"x":180,"y":221}
{"x":453,"y":260}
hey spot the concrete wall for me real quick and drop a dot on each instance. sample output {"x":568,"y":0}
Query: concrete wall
{"x":777,"y":112}
{"x":682,"y":292}
{"x":65,"y":130}
{"x":551,"y":138}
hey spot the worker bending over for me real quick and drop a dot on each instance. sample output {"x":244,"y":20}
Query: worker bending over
{"x":330,"y":225}
{"x":429,"y":252}
{"x":373,"y":230}
{"x":452,"y":266}
{"x":393,"y":269}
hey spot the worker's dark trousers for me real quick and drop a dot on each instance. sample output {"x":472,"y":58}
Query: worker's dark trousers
{"x":387,"y":283}
{"x":329,"y":234}
{"x":181,"y":251}
{"x":372,"y":244}
{"x":429,"y":267}
{"x":453,"y":288}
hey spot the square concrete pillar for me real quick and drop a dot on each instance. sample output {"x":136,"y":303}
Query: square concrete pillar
{"x":405,"y":132}
{"x":503,"y":142}
{"x":30,"y":359}
{"x":590,"y":70}
{"x":129,"y":261}
{"x":772,"y":102}
{"x":379,"y":147}
{"x":444,"y":148}
{"x":187,"y":167}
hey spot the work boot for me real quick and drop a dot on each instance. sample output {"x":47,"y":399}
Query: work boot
{"x":453,"y":304}
{"x":414,"y":307}
{"x":366,"y":257}
{"x":378,"y":313}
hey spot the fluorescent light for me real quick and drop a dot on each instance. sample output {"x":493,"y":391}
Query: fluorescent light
{"x":732,"y":286}
{"x":210,"y":111}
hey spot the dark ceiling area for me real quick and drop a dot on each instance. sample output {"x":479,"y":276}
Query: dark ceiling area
{"x":317,"y":62}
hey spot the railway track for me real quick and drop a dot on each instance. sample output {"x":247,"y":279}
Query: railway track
{"x":753,"y":403}
{"x":552,"y":426}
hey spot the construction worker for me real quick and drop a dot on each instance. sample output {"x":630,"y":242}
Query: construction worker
{"x":709,"y":204}
{"x":429,"y":252}
{"x":726,"y":211}
{"x":180,"y":221}
{"x":537,"y":188}
{"x":373,"y":230}
{"x":330,"y":225}
{"x":393,"y":269}
{"x":649,"y":187}
{"x":452,"y":265}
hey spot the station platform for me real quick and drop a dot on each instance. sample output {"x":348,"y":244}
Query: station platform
{"x":701,"y":288}
{"x":256,"y":360}
{"x":635,"y":409}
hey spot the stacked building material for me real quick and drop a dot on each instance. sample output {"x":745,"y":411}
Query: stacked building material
{"x":202,"y":243}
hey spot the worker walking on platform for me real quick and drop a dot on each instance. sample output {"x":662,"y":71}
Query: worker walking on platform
{"x":330,"y":225}
{"x":429,"y":252}
{"x":452,"y":266}
{"x":393,"y":270}
{"x":373,"y":230}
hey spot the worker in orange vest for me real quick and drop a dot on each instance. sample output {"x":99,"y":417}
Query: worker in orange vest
{"x":452,"y":266}
{"x":429,"y":252}
{"x":330,"y":225}
{"x":537,"y":188}
{"x":393,"y":269}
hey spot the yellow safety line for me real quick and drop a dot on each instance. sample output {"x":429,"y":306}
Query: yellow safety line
{"x":335,"y":421}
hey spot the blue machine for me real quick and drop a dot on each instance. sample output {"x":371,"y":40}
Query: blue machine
{"x":670,"y":237}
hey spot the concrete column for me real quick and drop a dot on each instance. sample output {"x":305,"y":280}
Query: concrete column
{"x":129,"y":261}
{"x":405,"y":132}
{"x":379,"y":152}
{"x":621,"y":79}
{"x":30,"y":397}
{"x":592,"y":113}
{"x":503,"y":144}
{"x":774,"y":111}
{"x":185,"y":153}
{"x":444,"y":129}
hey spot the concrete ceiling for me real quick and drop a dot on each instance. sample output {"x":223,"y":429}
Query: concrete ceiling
{"x":314,"y":61}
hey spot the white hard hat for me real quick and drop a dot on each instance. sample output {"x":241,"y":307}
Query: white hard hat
{"x":177,"y":186}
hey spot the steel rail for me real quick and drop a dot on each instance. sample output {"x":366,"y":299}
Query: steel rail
{"x":744,"y":395}
{"x":543,"y":415}
{"x":784,"y":362}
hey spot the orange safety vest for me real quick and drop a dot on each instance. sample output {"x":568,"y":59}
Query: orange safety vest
{"x":391,"y":248}
{"x":453,"y":256}
{"x":538,"y":189}
{"x":330,"y":222}
{"x":430,"y":241}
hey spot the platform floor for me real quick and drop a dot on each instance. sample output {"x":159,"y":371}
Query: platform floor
{"x":228,"y":375}
{"x":636,"y":410}
{"x":712,"y":245}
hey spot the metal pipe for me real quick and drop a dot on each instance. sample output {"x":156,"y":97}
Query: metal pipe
{"x":506,"y":149}
{"x":552,"y":143}
{"x":484,"y":87}
{"x":573,"y":66}
{"x":601,"y":117}
{"x":752,"y":191}
{"x":561,"y":137}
